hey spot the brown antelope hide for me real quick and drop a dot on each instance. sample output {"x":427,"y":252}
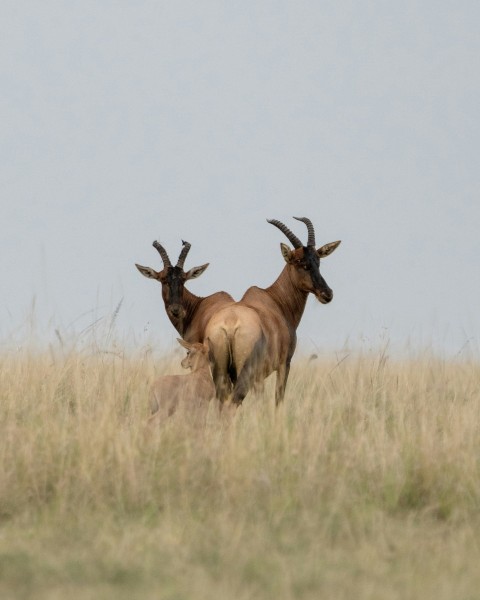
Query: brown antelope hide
{"x":253,"y":338}
{"x":189,"y":314}
{"x":191,"y":392}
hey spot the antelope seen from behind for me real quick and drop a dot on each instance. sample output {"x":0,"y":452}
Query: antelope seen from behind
{"x":192,"y":391}
{"x":252,"y":338}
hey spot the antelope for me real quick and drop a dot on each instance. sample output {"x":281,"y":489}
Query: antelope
{"x":193,"y":391}
{"x":189,"y":314}
{"x":256,"y":336}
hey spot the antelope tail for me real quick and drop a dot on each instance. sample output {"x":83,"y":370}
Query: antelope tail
{"x":247,"y":375}
{"x":231,"y":367}
{"x":222,"y":364}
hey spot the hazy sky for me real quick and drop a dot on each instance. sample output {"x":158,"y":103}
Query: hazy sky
{"x":124,"y":122}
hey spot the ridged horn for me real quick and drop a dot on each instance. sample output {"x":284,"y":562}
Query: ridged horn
{"x":284,"y":229}
{"x":163,"y":253}
{"x":183,"y":254}
{"x":311,"y":230}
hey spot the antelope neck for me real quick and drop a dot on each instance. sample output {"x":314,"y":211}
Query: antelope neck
{"x":289,"y":298}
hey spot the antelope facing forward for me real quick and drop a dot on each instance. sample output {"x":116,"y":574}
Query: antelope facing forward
{"x":256,"y":336}
{"x":192,"y":391}
{"x":189,"y":314}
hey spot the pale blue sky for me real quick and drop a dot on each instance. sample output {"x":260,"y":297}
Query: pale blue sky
{"x":122,"y":122}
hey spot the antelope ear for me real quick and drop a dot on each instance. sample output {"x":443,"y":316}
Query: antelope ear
{"x":327,"y":249}
{"x":286,"y":252}
{"x":185,"y":344}
{"x":147,"y":271}
{"x":195,"y":272}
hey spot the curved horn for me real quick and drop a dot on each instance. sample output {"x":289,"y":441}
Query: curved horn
{"x":311,"y":230}
{"x":183,"y":254}
{"x":163,"y":253}
{"x":284,"y":229}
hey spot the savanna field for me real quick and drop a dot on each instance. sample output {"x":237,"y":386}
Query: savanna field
{"x":365,"y":483}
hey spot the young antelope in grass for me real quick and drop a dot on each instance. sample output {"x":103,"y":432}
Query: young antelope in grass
{"x":192,"y":392}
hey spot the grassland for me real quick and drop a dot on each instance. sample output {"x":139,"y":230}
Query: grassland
{"x":364,"y":484}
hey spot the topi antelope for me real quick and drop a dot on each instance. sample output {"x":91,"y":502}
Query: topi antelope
{"x":192,"y":392}
{"x":189,"y":314}
{"x":256,"y":336}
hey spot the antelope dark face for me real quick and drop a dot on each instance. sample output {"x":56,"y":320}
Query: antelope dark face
{"x":305,"y":261}
{"x":173,"y":280}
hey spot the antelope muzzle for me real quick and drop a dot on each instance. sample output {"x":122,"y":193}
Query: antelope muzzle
{"x":176,"y":311}
{"x":325,"y":296}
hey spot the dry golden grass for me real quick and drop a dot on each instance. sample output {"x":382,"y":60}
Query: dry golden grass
{"x":364,"y":484}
